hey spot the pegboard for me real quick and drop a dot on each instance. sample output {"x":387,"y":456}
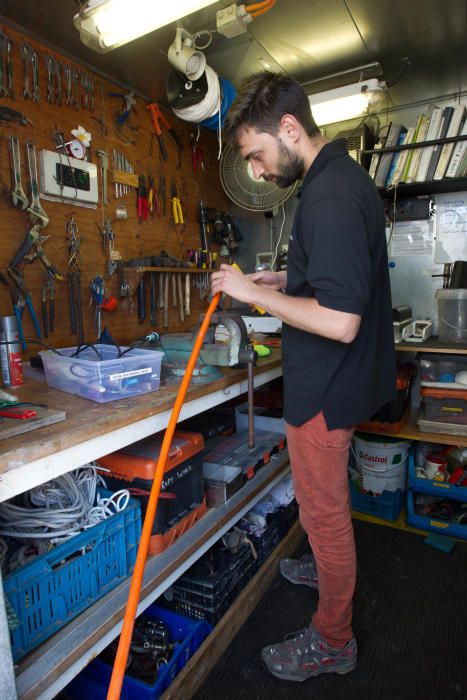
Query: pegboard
{"x":133,"y":238}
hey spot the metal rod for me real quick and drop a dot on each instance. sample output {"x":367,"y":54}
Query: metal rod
{"x":251,"y":411}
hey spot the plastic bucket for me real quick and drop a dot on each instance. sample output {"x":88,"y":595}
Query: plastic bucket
{"x":381,"y":462}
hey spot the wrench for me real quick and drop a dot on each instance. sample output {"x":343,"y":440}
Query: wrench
{"x":9,"y":67}
{"x":4,"y":92}
{"x":17,"y":193}
{"x":49,"y":69}
{"x":36,"y":93}
{"x":26,"y":57}
{"x":37,"y":213}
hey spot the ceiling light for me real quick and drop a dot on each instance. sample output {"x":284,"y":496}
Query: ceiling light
{"x":106,"y":24}
{"x":184,"y":57}
{"x":346,"y":102}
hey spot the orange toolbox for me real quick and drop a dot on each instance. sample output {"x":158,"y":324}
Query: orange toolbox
{"x":182,"y":501}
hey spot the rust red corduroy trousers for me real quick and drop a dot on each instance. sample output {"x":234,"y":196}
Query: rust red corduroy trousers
{"x":319,"y":460}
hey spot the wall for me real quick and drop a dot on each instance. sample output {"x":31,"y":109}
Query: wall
{"x":132,"y":239}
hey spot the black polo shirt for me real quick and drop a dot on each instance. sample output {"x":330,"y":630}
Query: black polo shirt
{"x":337,"y":254}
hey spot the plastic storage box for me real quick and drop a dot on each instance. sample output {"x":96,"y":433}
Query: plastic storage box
{"x":388,"y":505}
{"x":452,"y":315}
{"x":182,"y":502}
{"x":264,"y":418}
{"x":186,"y":635}
{"x":100,"y":375}
{"x":443,"y":372}
{"x":445,"y":405}
{"x":51,"y":590}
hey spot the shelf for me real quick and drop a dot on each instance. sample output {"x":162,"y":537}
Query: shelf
{"x":433,"y":345}
{"x":48,"y":669}
{"x":414,"y":189}
{"x":190,"y":270}
{"x":410,"y":431}
{"x":411,"y":146}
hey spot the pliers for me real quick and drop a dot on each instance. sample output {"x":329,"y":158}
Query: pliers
{"x":177,"y":212}
{"x":21,"y":297}
{"x":48,"y":320}
{"x":142,"y":199}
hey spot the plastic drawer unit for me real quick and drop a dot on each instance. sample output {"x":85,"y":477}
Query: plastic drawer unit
{"x":101,"y":373}
{"x":445,"y":405}
{"x":182,"y":502}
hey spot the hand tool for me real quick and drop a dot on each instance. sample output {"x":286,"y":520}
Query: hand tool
{"x":37,"y":213}
{"x":152,"y":297}
{"x":12,"y":115}
{"x":48,"y":320}
{"x":17,"y":193}
{"x":166,"y":299}
{"x":181,"y":303}
{"x":73,"y":242}
{"x":97,"y":296}
{"x":21,"y":297}
{"x":142,"y":199}
{"x":67,"y":69}
{"x":21,"y":413}
{"x":177,"y":212}
{"x":74,"y":300}
{"x":197,"y":159}
{"x":157,"y":119}
{"x":5,"y":59}
{"x":128,"y":102}
{"x":141,"y":299}
{"x":26,"y":53}
{"x":187,"y":294}
{"x":31,"y":248}
{"x":104,"y":165}
{"x":36,"y":95}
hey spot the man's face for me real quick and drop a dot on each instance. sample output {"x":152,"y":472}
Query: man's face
{"x":269,"y":157}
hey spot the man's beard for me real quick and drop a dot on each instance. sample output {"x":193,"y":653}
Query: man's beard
{"x":290,"y":166}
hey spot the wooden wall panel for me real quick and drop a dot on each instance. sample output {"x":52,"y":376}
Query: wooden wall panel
{"x":133,"y":239}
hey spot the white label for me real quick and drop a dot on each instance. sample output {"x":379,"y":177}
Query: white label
{"x":132,"y":373}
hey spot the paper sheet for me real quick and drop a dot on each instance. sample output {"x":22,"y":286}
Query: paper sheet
{"x":412,"y":238}
{"x":451,"y":228}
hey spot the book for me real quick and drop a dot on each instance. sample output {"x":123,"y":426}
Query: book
{"x":457,"y":154}
{"x":443,"y":130}
{"x":417,"y":152}
{"x":462,"y":169}
{"x":420,"y":119}
{"x":431,"y":134}
{"x":375,"y":158}
{"x":396,"y":157}
{"x":386,"y":158}
{"x":401,"y":161}
{"x":457,"y":122}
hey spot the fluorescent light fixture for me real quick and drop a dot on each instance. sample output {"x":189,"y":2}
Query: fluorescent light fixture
{"x":106,"y":24}
{"x":345,"y":102}
{"x":184,"y":57}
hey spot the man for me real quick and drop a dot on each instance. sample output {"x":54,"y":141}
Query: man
{"x":338,"y":346}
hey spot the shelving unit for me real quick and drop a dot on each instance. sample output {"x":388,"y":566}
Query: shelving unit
{"x":90,"y":431}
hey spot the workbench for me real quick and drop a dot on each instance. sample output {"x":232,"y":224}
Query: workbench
{"x":90,"y":431}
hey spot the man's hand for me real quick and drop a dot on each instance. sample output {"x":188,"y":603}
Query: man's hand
{"x":234,"y":283}
{"x":270,"y":279}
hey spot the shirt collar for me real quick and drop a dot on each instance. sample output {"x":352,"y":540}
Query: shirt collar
{"x":331,"y":150}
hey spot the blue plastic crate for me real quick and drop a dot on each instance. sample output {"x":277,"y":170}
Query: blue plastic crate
{"x":94,"y":680}
{"x":441,"y":489}
{"x":387,"y":505}
{"x":54,"y":588}
{"x":427,"y":522}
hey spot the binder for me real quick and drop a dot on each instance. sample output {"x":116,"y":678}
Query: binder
{"x":445,"y":122}
{"x":431,"y":134}
{"x":420,"y":119}
{"x":402,"y":160}
{"x":386,"y":158}
{"x":457,"y":154}
{"x":455,"y":127}
{"x":396,"y":157}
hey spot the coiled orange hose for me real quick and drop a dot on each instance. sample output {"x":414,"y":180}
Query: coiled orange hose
{"x":118,"y":671}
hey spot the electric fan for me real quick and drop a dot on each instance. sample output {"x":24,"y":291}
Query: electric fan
{"x":241,"y":186}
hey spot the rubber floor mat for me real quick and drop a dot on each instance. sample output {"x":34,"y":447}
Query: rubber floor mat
{"x":410,"y":622}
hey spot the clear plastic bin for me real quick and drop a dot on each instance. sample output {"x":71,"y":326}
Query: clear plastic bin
{"x":99,"y":374}
{"x":443,"y":371}
{"x":452,"y":315}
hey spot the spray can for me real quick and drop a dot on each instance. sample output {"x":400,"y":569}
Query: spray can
{"x":10,"y":352}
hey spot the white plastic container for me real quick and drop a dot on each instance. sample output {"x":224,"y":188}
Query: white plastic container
{"x":100,"y":375}
{"x":452,"y":315}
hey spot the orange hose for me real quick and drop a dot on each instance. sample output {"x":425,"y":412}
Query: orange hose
{"x":261,"y":12}
{"x":118,"y":671}
{"x":259,"y":5}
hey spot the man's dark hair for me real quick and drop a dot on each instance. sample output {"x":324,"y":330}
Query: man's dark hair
{"x":262,"y":101}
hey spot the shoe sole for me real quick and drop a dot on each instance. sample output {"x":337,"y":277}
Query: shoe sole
{"x":300,"y":583}
{"x":313,"y":674}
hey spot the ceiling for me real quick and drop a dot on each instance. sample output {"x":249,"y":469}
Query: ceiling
{"x":309,"y":39}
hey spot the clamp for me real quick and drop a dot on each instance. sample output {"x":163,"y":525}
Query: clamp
{"x":157,"y":119}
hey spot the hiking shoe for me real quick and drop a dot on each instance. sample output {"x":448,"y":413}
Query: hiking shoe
{"x":307,"y":655}
{"x":301,"y":571}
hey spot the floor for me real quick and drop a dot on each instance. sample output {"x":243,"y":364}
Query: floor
{"x":410,"y":620}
